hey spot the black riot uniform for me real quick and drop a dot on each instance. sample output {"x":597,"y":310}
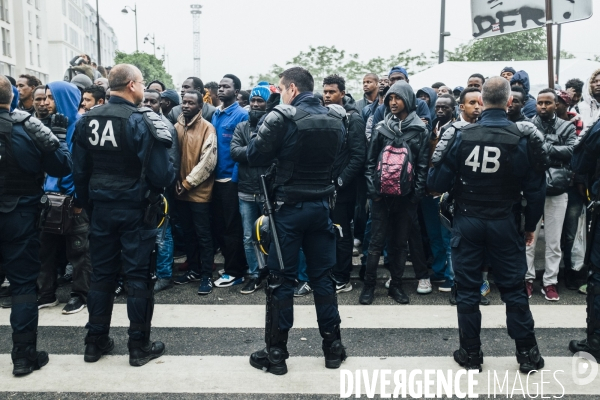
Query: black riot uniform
{"x":121,"y":166}
{"x":486,"y":166}
{"x":304,"y":138}
{"x":27,"y":150}
{"x":586,"y":160}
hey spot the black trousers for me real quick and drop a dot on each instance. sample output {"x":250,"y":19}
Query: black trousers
{"x":78,"y":254}
{"x":118,"y":237}
{"x":342,"y":215}
{"x":195,"y":221}
{"x":472,"y":239}
{"x":360,"y":210}
{"x":19,"y":251}
{"x":394,"y":219}
{"x":227,"y":226}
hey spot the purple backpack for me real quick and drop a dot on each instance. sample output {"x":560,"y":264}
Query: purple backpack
{"x":395,"y":167}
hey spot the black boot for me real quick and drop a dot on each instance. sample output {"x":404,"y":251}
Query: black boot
{"x":469,"y":355}
{"x":143,"y":351}
{"x":396,"y":293}
{"x":25,"y":356}
{"x":333,"y":349}
{"x":96,"y":346}
{"x":590,"y":345}
{"x":528,"y":355}
{"x":570,"y":280}
{"x":273,"y":359}
{"x":452,"y":298}
{"x":367,"y":295}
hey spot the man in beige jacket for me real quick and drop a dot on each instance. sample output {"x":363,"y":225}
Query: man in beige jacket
{"x":198,"y":148}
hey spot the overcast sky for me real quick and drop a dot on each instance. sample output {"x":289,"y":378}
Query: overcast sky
{"x":245,"y":37}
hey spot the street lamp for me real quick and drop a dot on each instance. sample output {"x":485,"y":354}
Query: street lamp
{"x":134,"y":9}
{"x":152,"y":42}
{"x":443,"y":33}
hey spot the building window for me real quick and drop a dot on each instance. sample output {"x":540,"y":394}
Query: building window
{"x":66,"y":34}
{"x":6,"y":42}
{"x":4,"y":10}
{"x":37,"y":4}
{"x":39,"y":56}
{"x":38,"y":28}
{"x":30,"y":52}
{"x":64,"y":7}
{"x":29,"y":21}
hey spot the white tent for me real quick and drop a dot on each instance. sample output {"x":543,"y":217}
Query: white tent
{"x":455,"y":74}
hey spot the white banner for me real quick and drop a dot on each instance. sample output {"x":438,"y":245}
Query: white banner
{"x":497,"y":17}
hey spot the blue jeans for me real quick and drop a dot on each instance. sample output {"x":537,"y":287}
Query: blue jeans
{"x":164,"y":255}
{"x":439,"y":239}
{"x":250,"y":211}
{"x":302,"y":276}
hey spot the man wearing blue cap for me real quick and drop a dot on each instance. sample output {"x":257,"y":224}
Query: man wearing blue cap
{"x":249,"y":191}
{"x":169,"y":99}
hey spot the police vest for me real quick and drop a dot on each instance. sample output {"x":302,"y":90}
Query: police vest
{"x":485,"y":168}
{"x":305,"y":173}
{"x":115,"y":165}
{"x":14,"y":181}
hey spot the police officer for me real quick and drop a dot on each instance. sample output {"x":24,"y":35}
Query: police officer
{"x":486,"y":166}
{"x":585,"y":161}
{"x":304,"y":137}
{"x":121,"y":165}
{"x":27,"y":150}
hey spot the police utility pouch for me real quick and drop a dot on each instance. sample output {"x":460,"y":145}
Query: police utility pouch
{"x":58,"y":213}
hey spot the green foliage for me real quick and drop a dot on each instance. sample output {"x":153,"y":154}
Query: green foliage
{"x":152,"y":68}
{"x":518,"y":46}
{"x":322,"y":61}
{"x":565,"y":55}
{"x":596,"y":58}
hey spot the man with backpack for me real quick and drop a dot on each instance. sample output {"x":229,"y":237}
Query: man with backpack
{"x":396,"y":171}
{"x":348,"y":165}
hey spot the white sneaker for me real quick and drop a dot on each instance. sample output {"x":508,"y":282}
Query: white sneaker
{"x":387,"y":283}
{"x":221,"y":272}
{"x":228,"y":280}
{"x":342,"y":288}
{"x":355,"y":252}
{"x":424,"y":286}
{"x":357,"y":242}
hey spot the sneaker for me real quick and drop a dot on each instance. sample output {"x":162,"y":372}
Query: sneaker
{"x":387,"y":283}
{"x":179,"y":256}
{"x":357,"y":242}
{"x":187,"y":278}
{"x":355,"y":252}
{"x":4,"y":291}
{"x":484,"y":301}
{"x":424,"y":286}
{"x":228,"y":280}
{"x":7,"y":303}
{"x":550,"y":293}
{"x":120,"y":289}
{"x":485,"y":288}
{"x":221,"y":271}
{"x":163,"y":284}
{"x":74,"y":305}
{"x":529,"y":288}
{"x":47,"y":302}
{"x":251,"y":287}
{"x":206,"y":286}
{"x":65,"y":279}
{"x":583,"y":289}
{"x":446,"y":286}
{"x":343,"y":287}
{"x":302,"y":289}
{"x":367,"y":295}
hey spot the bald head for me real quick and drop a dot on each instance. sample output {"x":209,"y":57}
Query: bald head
{"x":121,"y":75}
{"x":495,"y":93}
{"x":6,"y":92}
{"x":102,"y":82}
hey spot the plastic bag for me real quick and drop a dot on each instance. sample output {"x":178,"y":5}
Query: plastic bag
{"x":578,"y":252}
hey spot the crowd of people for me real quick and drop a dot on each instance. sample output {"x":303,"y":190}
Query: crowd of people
{"x":217,"y":197}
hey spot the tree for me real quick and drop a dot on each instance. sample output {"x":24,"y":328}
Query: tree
{"x":517,"y":46}
{"x":152,"y":68}
{"x":565,"y":55}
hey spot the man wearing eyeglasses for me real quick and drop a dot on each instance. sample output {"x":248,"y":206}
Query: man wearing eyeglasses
{"x":122,"y":168}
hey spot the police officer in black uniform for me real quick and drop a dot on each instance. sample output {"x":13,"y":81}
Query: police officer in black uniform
{"x":304,"y":137}
{"x":586,"y":161}
{"x":121,"y":165}
{"x":27,"y":150}
{"x":486,"y":166}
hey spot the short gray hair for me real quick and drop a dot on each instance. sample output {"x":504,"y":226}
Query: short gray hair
{"x":495,"y":92}
{"x":120,"y":76}
{"x":6,"y":91}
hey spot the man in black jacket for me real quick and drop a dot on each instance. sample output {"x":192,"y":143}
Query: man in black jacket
{"x":191,"y":83}
{"x":349,"y":164}
{"x":393,"y":216}
{"x":249,"y":192}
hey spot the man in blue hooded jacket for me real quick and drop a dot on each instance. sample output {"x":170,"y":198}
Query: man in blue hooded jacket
{"x":64,"y":98}
{"x":521,"y":78}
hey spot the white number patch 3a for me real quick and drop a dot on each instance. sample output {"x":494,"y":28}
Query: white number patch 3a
{"x":490,"y":162}
{"x":108,"y":134}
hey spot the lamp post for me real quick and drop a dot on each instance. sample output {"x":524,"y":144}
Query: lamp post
{"x":152,"y":42}
{"x":134,"y":9}
{"x":98,"y":34}
{"x":443,"y":32}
